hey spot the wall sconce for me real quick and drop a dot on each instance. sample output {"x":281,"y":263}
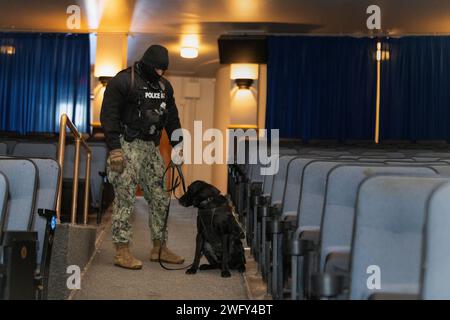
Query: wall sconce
{"x":189,"y":46}
{"x":382,"y":55}
{"x":9,"y":50}
{"x":189,"y":52}
{"x":243,"y":83}
{"x":243,"y":74}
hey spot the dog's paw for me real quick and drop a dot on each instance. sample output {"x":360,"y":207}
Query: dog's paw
{"x":226,"y":274}
{"x":191,"y":271}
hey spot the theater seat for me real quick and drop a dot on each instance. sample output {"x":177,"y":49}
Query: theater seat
{"x":39,"y":150}
{"x":3,"y":149}
{"x":388,"y":234}
{"x":435,"y":273}
{"x":22,"y":175}
{"x":339,"y":214}
{"x":3,"y":200}
{"x":270,"y":193}
{"x":45,"y":198}
{"x":339,"y":209}
{"x":17,"y":276}
{"x":288,"y":219}
{"x":9,"y":145}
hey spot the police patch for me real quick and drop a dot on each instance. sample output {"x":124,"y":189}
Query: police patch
{"x":155,"y":95}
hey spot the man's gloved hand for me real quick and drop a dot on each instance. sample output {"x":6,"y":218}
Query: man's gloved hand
{"x":116,"y":160}
{"x":177,"y":154}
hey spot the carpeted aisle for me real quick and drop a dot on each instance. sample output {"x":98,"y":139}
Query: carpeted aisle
{"x":105,"y":281}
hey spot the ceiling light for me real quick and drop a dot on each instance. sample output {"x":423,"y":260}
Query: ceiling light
{"x":189,"y":52}
{"x":189,"y":46}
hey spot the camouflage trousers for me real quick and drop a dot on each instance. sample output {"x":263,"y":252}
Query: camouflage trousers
{"x":144,"y":166}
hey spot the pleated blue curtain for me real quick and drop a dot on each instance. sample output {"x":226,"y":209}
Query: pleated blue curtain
{"x":415,"y":89}
{"x":321,"y":87}
{"x":41,"y":76}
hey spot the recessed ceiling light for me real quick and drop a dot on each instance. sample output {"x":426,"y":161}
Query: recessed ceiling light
{"x":189,"y":46}
{"x":189,"y":52}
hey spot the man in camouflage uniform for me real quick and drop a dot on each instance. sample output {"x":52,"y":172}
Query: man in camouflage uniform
{"x":138,"y":104}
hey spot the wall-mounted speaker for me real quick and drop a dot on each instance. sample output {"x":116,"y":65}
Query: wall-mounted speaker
{"x":243,"y":49}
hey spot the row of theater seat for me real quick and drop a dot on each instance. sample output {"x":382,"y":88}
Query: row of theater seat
{"x":29,"y":181}
{"x":28,"y":190}
{"x":348,"y":223}
{"x":49,"y":149}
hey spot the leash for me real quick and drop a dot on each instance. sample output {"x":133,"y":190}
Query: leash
{"x":175,"y":182}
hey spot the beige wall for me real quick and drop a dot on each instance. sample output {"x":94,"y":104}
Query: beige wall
{"x":190,"y":110}
{"x":243,"y":106}
{"x":222,"y":121}
{"x":96,"y":102}
{"x":111,"y":54}
{"x":110,"y":58}
{"x":262,"y":96}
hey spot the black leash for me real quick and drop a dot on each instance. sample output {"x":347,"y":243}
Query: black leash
{"x":175,"y":181}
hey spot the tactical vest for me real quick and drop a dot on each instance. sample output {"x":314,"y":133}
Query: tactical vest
{"x":146,"y":112}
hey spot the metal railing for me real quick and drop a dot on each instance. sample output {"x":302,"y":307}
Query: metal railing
{"x":79,"y":141}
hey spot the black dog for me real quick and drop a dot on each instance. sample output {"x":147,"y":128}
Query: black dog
{"x":218,"y":233}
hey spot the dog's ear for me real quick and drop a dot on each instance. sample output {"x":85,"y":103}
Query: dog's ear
{"x":196,"y":187}
{"x":212,"y":189}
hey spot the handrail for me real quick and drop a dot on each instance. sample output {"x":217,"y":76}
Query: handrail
{"x":79,"y":141}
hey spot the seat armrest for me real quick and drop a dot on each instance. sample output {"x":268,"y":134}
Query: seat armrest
{"x":2,"y":276}
{"x":337,"y":262}
{"x":289,"y":215}
{"x":255,"y":193}
{"x":311,"y":234}
{"x":280,"y":222}
{"x":264,"y":200}
{"x":46,"y":213}
{"x":256,"y":188}
{"x":299,"y":247}
{"x":10,"y":237}
{"x":275,"y":210}
{"x":328,"y":285}
{"x":275,"y":225}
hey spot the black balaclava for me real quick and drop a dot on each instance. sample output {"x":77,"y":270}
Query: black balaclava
{"x":156,"y":57}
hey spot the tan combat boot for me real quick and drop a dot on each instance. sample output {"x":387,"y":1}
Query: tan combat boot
{"x":124,"y":258}
{"x":166,"y":255}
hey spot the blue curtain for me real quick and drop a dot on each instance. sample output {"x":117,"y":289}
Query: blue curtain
{"x":321,"y":87}
{"x":415,"y":89}
{"x":41,"y":76}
